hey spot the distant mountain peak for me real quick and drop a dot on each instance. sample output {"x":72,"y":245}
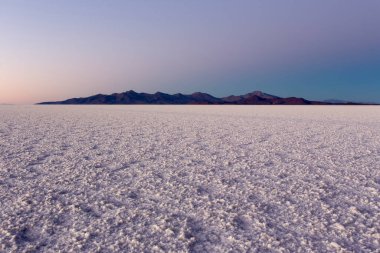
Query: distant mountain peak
{"x":133,"y":97}
{"x":261,"y":94}
{"x":258,"y":93}
{"x":131,"y":92}
{"x":199,"y":93}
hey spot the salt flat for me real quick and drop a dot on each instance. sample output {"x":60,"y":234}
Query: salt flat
{"x":190,"y":178}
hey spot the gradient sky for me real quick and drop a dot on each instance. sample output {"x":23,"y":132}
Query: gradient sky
{"x":321,"y":49}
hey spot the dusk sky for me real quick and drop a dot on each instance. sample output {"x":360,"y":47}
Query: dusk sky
{"x":322,"y":49}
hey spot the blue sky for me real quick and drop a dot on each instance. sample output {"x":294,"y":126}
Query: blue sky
{"x":52,"y":50}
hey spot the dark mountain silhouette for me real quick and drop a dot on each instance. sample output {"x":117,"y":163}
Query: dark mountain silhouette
{"x":132,"y":97}
{"x":256,"y":94}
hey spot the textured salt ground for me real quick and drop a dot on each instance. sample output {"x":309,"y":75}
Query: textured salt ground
{"x":189,"y":178}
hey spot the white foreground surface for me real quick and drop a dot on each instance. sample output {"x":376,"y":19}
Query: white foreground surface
{"x":190,"y":178}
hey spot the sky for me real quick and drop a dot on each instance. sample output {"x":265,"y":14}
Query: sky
{"x":321,"y":49}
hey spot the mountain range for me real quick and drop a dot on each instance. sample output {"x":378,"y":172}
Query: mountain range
{"x":132,"y":97}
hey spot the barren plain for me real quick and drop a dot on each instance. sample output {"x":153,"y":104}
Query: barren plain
{"x":190,"y":178}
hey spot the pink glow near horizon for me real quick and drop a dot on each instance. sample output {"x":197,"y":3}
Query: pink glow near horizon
{"x":56,"y":50}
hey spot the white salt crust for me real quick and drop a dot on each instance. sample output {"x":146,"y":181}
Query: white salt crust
{"x":189,"y":178}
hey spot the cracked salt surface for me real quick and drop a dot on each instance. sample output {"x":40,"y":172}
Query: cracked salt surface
{"x":189,"y":178}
